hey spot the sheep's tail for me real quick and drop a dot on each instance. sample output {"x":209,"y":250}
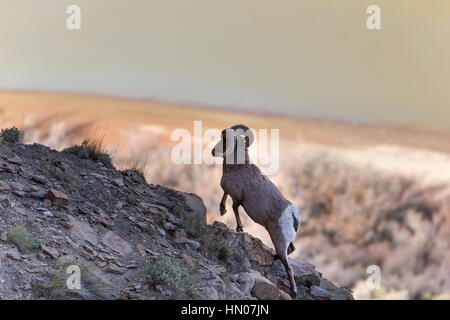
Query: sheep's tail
{"x":297,"y":218}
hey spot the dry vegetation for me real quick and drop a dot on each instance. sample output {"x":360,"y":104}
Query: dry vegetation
{"x":356,"y":218}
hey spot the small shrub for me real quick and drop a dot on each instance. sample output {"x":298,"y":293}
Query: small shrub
{"x":223,"y":253}
{"x":160,"y":222}
{"x":88,"y":164}
{"x":172,"y":278}
{"x":92,"y":285}
{"x":12,"y":135}
{"x":23,"y":239}
{"x":91,"y":149}
{"x":63,"y":176}
{"x":140,"y":166}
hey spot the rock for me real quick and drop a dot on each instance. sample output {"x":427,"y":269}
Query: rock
{"x":73,"y":244}
{"x":46,"y":203}
{"x":246,"y":263}
{"x":116,"y":243}
{"x":39,"y":179}
{"x":119,"y":182}
{"x":15,"y":159}
{"x":4,"y":187}
{"x":244,"y":245}
{"x":36,"y":194}
{"x":196,"y":205}
{"x":58,"y":198}
{"x":113,"y":268}
{"x":284,"y":296}
{"x":210,"y":293}
{"x":169,"y":226}
{"x":194,"y":244}
{"x":193,"y":215}
{"x":100,"y":219}
{"x":319,"y":293}
{"x":304,"y":273}
{"x":83,"y":230}
{"x":142,"y":226}
{"x":19,"y":193}
{"x":84,"y":210}
{"x":246,"y":282}
{"x":48,"y":213}
{"x":14,"y":254}
{"x":5,"y":201}
{"x":335,"y":292}
{"x":266,"y":291}
{"x":119,"y":205}
{"x":52,"y":252}
{"x":220,"y":226}
{"x":66,"y":224}
{"x":141,"y":249}
{"x":180,"y":236}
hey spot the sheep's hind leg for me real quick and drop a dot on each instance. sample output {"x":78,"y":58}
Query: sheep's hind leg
{"x":239,"y":227}
{"x":222,"y":204}
{"x":281,"y":250}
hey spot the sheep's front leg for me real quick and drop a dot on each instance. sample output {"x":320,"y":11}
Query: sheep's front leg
{"x":239,"y":227}
{"x":222,"y":204}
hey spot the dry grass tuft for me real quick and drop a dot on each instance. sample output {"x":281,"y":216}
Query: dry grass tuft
{"x":172,"y":278}
{"x":93,"y":287}
{"x":23,"y":239}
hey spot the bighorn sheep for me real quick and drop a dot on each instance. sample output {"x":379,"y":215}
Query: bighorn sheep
{"x":261,"y":199}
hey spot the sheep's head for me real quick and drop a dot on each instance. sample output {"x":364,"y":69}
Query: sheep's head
{"x":233,"y":144}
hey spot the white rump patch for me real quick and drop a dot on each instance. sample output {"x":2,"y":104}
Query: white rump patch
{"x":287,"y":222}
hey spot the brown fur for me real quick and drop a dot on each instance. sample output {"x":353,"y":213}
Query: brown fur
{"x":259,"y":197}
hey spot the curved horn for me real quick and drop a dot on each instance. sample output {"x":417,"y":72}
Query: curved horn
{"x":247,"y":132}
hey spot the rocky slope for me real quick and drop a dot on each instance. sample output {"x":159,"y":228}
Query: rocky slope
{"x":129,"y":239}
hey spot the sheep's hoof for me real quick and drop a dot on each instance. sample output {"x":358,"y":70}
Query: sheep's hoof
{"x":239,"y":229}
{"x":223,"y":211}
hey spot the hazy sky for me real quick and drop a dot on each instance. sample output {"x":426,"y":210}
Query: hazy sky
{"x":310,"y":57}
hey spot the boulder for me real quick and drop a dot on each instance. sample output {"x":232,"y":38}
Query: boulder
{"x":246,"y":282}
{"x":116,"y":243}
{"x":245,"y":246}
{"x":58,"y":198}
{"x":319,"y":293}
{"x":264,"y":289}
{"x":83,"y":230}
